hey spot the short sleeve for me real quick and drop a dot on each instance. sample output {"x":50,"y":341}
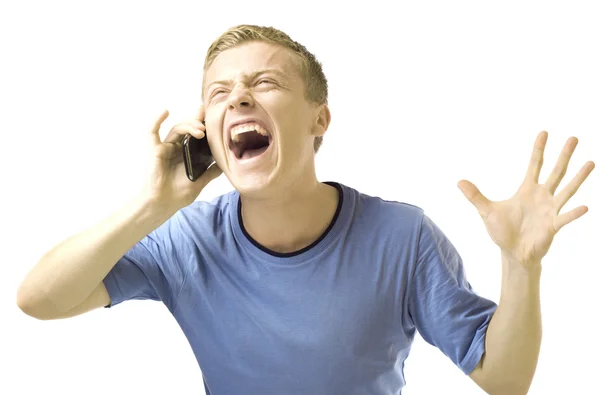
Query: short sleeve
{"x":444,"y":308}
{"x":151,"y":269}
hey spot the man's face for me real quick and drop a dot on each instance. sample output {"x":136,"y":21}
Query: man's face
{"x":259,"y":125}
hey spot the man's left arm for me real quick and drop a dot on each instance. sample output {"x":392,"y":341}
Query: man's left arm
{"x":514,"y":334}
{"x":523,"y":227}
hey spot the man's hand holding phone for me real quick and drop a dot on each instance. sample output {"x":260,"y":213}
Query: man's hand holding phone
{"x":169,"y":184}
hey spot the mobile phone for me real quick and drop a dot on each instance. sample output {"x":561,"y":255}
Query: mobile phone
{"x":196,"y":156}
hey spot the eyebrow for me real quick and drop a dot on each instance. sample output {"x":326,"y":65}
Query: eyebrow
{"x":280,"y":73}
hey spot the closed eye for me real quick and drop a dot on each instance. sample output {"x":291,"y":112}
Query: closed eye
{"x":264,"y":82}
{"x":217,"y":92}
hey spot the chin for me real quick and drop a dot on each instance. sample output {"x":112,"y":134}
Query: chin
{"x":257,"y":176}
{"x":254,"y":184}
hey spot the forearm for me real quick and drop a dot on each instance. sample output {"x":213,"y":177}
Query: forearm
{"x":67,"y":274}
{"x":514,"y":334}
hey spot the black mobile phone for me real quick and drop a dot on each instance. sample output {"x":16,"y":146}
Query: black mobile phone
{"x":196,"y":156}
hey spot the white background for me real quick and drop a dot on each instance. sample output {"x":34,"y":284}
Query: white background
{"x":422,"y":95}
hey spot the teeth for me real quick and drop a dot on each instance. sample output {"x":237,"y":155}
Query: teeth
{"x":236,"y":131}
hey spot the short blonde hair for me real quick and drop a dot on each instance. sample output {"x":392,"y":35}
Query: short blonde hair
{"x":310,"y":68}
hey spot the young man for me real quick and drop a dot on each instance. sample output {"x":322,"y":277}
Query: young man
{"x":288,"y":285}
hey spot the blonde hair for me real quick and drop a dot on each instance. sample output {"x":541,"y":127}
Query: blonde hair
{"x":310,"y":68}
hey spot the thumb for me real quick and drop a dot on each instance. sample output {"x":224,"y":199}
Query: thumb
{"x":473,"y":194}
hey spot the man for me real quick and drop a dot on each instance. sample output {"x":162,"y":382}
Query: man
{"x":288,"y":285}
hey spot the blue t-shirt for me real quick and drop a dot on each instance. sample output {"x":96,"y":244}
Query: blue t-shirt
{"x":337,"y":317}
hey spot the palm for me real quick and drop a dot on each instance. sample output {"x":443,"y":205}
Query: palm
{"x":524,"y":225}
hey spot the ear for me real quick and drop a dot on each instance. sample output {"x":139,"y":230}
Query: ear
{"x":323,"y":120}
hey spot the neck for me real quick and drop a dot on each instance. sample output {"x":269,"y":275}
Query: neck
{"x":293,"y":219}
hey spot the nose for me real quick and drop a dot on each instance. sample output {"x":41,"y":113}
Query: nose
{"x":240,"y":97}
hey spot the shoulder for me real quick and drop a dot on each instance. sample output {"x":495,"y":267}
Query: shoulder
{"x":199,"y":218}
{"x":398,"y":214}
{"x":202,"y":211}
{"x":385,"y":212}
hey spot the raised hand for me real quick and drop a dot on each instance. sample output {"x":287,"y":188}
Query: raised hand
{"x":524,"y":225}
{"x":167,"y":183}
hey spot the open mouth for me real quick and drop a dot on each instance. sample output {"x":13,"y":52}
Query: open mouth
{"x":249,"y":141}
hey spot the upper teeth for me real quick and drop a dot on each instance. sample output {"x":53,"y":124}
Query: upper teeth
{"x":247,"y":127}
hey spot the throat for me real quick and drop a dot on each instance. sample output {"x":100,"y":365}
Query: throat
{"x":249,"y":144}
{"x":286,"y":227}
{"x":252,"y":152}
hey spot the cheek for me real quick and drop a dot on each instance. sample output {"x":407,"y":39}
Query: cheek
{"x":214,"y":139}
{"x":295,"y":125}
{"x":213,"y":123}
{"x":288,"y":113}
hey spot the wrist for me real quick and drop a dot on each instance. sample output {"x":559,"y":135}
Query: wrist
{"x":525,"y":266}
{"x":521,"y":277}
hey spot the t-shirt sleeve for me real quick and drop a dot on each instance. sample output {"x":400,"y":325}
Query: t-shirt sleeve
{"x":151,"y":269}
{"x":443,"y":306}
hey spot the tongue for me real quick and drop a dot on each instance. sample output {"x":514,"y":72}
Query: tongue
{"x":251,"y":153}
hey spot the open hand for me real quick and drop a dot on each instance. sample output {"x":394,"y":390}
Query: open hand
{"x":524,"y":225}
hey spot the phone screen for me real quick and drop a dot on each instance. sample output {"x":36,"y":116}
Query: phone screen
{"x":196,"y":156}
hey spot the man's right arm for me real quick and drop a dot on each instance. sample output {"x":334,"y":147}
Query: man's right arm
{"x":68,"y":280}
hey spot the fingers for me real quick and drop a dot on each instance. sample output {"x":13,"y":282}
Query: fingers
{"x":537,"y":157}
{"x":569,"y":217}
{"x":177,"y":132}
{"x":571,"y":188}
{"x":560,"y":169}
{"x":473,"y":194}
{"x":194,"y":127}
{"x":155,"y":129}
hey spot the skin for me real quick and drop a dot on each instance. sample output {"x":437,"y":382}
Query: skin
{"x":524,"y":227}
{"x":284,"y":206}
